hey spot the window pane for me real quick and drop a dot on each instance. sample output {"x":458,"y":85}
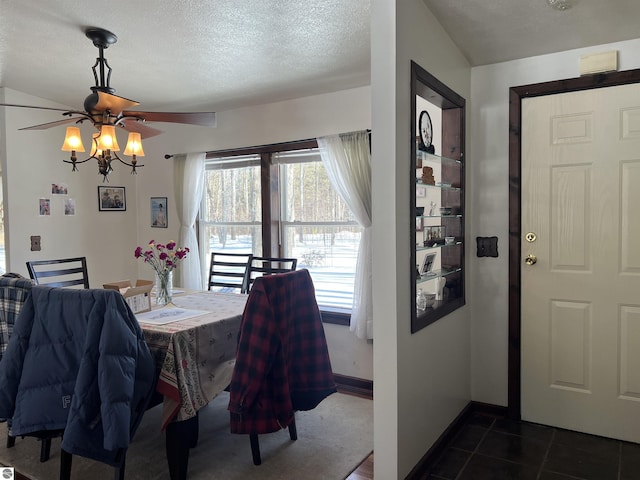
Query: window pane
{"x":329,"y":253}
{"x":319,"y":230}
{"x":232,"y":210}
{"x":309,"y":196}
{"x":233,"y":195}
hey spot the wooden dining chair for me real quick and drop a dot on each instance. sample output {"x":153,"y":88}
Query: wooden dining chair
{"x":65,"y":272}
{"x":229,"y":271}
{"x":261,"y":266}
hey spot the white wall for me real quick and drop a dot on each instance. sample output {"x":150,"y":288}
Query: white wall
{"x":421,"y":380}
{"x":487,"y":201}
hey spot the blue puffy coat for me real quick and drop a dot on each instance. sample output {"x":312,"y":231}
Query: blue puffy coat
{"x":77,"y":361}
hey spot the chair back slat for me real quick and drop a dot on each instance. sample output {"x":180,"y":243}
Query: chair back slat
{"x":261,"y":266}
{"x":65,"y":272}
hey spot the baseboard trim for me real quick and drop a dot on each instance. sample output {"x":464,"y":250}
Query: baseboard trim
{"x":354,"y":385}
{"x":489,"y":409}
{"x":433,"y":454}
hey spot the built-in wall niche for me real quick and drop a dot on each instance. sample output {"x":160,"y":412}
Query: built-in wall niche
{"x":436,"y":199}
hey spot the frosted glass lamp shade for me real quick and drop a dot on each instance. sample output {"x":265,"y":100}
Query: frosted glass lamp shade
{"x":134,"y":145}
{"x":73,"y":140}
{"x":107,"y":139}
{"x":94,"y":145}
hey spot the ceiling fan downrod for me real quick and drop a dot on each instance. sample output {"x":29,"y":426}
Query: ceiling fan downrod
{"x":101,"y":39}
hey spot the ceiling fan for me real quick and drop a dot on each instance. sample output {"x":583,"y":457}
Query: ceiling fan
{"x":105,"y":111}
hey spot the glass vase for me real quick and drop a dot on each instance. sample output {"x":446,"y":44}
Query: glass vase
{"x":164,"y":287}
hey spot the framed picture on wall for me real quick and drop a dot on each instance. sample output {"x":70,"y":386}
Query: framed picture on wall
{"x":59,"y":189}
{"x":44,"y":206}
{"x":111,"y":199}
{"x":159,"y":212}
{"x":69,"y":206}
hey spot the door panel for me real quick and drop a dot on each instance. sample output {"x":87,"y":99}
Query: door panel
{"x":629,"y":353}
{"x":569,"y":223}
{"x":580,"y":302}
{"x":570,"y":345}
{"x":630,"y":200}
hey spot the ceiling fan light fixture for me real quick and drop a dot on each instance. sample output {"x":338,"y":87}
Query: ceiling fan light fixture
{"x":134,"y":145}
{"x":105,"y":111}
{"x":72,"y":140}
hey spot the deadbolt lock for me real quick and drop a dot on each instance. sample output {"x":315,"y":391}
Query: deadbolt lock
{"x":530,"y":237}
{"x":531,"y":259}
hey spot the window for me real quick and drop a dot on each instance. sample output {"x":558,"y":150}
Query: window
{"x":232,"y":205}
{"x":281,"y":203}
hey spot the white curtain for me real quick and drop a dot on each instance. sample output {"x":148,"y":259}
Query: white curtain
{"x":347,"y":159}
{"x":188,"y":176}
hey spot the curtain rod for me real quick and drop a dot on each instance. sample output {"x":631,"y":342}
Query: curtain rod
{"x":368,"y":130}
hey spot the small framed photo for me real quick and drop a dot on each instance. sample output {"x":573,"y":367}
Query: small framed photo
{"x":111,"y":199}
{"x":159,"y":212}
{"x":421,"y":191}
{"x":419,"y":224}
{"x":427,"y":264}
{"x":433,"y":234}
{"x":69,"y":206}
{"x":59,"y":189}
{"x":44,"y":206}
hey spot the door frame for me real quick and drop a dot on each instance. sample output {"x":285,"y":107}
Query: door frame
{"x":516,"y":94}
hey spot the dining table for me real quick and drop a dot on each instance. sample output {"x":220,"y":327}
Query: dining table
{"x":193,"y":341}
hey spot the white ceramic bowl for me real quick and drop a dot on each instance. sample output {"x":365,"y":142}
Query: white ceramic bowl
{"x":431,"y":299}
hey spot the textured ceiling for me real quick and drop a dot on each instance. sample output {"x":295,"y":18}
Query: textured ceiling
{"x":187,"y":54}
{"x":492,"y":31}
{"x":183,"y":55}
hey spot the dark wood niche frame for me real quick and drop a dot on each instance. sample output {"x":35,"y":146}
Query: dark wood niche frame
{"x":426,"y":86}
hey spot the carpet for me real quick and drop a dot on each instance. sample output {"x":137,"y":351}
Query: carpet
{"x":332,"y":441}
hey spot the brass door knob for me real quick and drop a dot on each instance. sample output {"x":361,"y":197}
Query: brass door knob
{"x":531,"y":259}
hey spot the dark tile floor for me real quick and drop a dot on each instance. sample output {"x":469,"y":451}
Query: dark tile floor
{"x":490,"y":447}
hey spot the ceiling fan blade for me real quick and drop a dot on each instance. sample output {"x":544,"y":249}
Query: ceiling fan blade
{"x":33,"y":106}
{"x":205,"y":119}
{"x":132,"y":125}
{"x":44,"y":126}
{"x":113,"y":103}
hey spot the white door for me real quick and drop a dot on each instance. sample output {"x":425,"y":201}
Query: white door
{"x":581,"y":299}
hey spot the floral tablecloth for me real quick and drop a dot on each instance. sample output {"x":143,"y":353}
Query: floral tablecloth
{"x":195,"y":356}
